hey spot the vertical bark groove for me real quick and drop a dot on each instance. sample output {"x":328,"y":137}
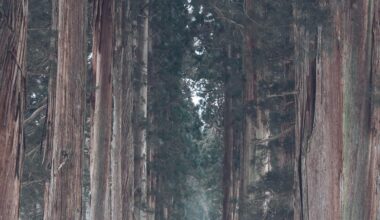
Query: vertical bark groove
{"x":337,"y":172}
{"x":102,"y":115}
{"x":122,"y":151}
{"x":13,"y":30}
{"x":65,"y":193}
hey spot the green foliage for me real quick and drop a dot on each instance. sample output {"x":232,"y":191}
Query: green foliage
{"x":176,"y":126}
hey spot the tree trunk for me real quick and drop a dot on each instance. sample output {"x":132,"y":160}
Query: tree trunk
{"x":141,"y":116}
{"x":228,"y":159}
{"x":151,"y":150}
{"x":65,"y":193}
{"x":249,"y":133}
{"x":49,"y":123}
{"x":374,"y":163}
{"x":122,"y":151}
{"x":13,"y":30}
{"x":336,"y":128}
{"x":47,"y":144}
{"x":229,"y":176}
{"x":102,"y":115}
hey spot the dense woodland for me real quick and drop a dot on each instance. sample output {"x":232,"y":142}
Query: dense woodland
{"x":189,"y":109}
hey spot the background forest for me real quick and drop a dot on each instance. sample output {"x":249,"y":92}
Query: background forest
{"x":189,"y":109}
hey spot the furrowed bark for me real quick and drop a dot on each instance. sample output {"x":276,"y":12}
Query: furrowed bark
{"x":47,"y":144}
{"x":230,"y":141}
{"x":13,"y":30}
{"x":336,"y":116}
{"x":102,"y":116}
{"x":374,"y":151}
{"x":49,"y":123}
{"x":228,"y":160}
{"x":249,"y":132}
{"x":122,"y":151}
{"x":65,"y":193}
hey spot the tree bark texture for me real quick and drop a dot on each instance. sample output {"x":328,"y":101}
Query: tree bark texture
{"x":337,"y":167}
{"x":249,"y":131}
{"x":49,"y":123}
{"x":122,"y":151}
{"x":141,"y":115}
{"x":47,"y":144}
{"x":228,"y":175}
{"x":65,"y":193}
{"x":102,"y":116}
{"x":231,"y":142}
{"x":13,"y":30}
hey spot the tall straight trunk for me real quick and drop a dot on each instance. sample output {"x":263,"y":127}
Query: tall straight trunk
{"x":65,"y":192}
{"x":141,"y":113}
{"x":249,"y":133}
{"x":122,"y":151}
{"x":151,"y":150}
{"x":374,"y":197}
{"x":256,"y":128}
{"x":228,"y":174}
{"x":47,"y":144}
{"x":151,"y":186}
{"x":237,"y":145}
{"x":337,"y":110}
{"x":49,"y":123}
{"x":13,"y":29}
{"x":102,"y":116}
{"x":228,"y":164}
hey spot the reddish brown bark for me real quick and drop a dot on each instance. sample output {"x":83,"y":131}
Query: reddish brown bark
{"x":102,"y":116}
{"x":334,"y":153}
{"x":122,"y":151}
{"x":65,"y":193}
{"x":13,"y":28}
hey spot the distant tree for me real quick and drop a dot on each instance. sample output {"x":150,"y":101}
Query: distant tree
{"x":141,"y":112}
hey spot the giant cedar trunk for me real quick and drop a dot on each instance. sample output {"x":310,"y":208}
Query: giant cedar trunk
{"x":336,"y":122}
{"x":122,"y":151}
{"x":102,"y":115}
{"x":13,"y":26}
{"x":141,"y":115}
{"x":65,"y":193}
